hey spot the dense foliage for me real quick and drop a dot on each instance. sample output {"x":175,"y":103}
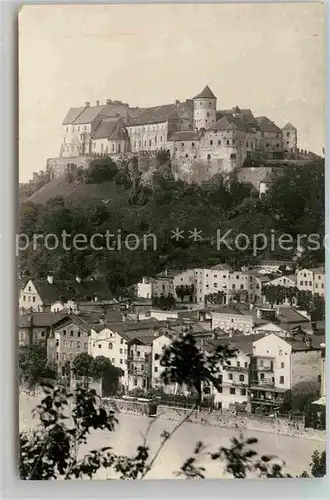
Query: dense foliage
{"x":33,"y":364}
{"x":223,"y":203}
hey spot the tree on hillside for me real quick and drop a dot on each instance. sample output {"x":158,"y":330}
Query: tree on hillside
{"x":100,"y":170}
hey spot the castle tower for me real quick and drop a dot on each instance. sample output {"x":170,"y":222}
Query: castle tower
{"x":205,"y":105}
{"x":289,"y":140}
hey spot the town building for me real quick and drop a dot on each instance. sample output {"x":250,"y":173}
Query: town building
{"x":312,"y":280}
{"x":69,"y":339}
{"x":107,"y":338}
{"x":144,"y":289}
{"x":34,"y":327}
{"x":44,"y":295}
{"x":158,"y":345}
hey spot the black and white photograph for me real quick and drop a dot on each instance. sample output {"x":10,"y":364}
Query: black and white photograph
{"x":171,"y":241}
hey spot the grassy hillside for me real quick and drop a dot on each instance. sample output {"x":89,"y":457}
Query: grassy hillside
{"x":83,"y":195}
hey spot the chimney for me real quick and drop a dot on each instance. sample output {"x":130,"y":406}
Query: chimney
{"x":177,"y":103}
{"x":78,"y":279}
{"x":87,"y":104}
{"x":50,"y":279}
{"x":97,"y":103}
{"x":102,"y":320}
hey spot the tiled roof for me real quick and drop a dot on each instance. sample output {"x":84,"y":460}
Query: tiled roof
{"x":242,"y":342}
{"x":40,"y":319}
{"x":289,"y":126}
{"x":110,"y":128}
{"x":230,"y":122}
{"x":88,"y":115}
{"x":185,"y":135}
{"x":318,"y":270}
{"x":246,"y":114}
{"x":222,"y":267}
{"x":205,"y":94}
{"x":266,"y":125}
{"x":72,"y":114}
{"x":64,"y":290}
{"x":159,"y":114}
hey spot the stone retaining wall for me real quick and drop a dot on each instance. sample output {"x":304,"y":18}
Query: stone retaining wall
{"x":128,"y":407}
{"x":254,"y":423}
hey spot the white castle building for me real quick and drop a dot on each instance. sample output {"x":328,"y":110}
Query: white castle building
{"x":192,"y":131}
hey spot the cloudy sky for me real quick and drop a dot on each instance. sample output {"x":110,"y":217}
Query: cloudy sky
{"x":269,"y":58}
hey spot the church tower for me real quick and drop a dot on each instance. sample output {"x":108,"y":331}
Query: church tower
{"x":205,"y":105}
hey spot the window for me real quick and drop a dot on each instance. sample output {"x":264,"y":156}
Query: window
{"x":230,"y":376}
{"x":192,"y":144}
{"x":121,"y":361}
{"x":211,"y":143}
{"x":186,"y":155}
{"x":33,"y":299}
{"x":241,"y":378}
{"x":282,"y":365}
{"x":64,"y":343}
{"x":120,"y":351}
{"x":267,"y":144}
{"x":57,"y":343}
{"x":135,"y":381}
{"x":281,"y":379}
{"x":71,"y":333}
{"x":288,"y":134}
{"x":245,"y":364}
{"x":85,"y":345}
{"x":24,"y":297}
{"x":149,"y":142}
{"x":310,"y":284}
{"x":78,"y":344}
{"x":219,"y":143}
{"x":100,"y":346}
{"x":262,"y":376}
{"x":232,"y":390}
{"x":121,"y":341}
{"x":112,"y":360}
{"x":301,"y":283}
{"x":209,"y":157}
{"x":227,"y":143}
{"x":277,"y":145}
{"x":243,"y":392}
{"x":57,"y":355}
{"x":64,"y":332}
{"x":156,"y":369}
{"x":280,"y":352}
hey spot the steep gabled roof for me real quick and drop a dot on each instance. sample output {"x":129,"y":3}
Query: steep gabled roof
{"x":266,"y":125}
{"x":205,"y":94}
{"x":72,"y":115}
{"x":289,"y":126}
{"x":230,"y":122}
{"x":159,"y":114}
{"x":88,"y":115}
{"x":247,"y":114}
{"x":110,"y":128}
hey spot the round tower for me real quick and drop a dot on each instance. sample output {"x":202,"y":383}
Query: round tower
{"x":205,"y":105}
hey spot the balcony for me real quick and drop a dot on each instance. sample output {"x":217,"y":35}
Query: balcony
{"x":267,"y":384}
{"x":138,"y":359}
{"x":139,"y":373}
{"x":265,"y":368}
{"x":236,"y":368}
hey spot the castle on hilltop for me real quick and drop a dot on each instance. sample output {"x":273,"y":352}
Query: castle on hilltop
{"x":193,"y":132}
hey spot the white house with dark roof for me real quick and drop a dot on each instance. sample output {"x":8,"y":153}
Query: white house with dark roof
{"x":41,"y":294}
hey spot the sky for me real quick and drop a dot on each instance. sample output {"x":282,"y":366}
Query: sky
{"x":266,"y":57}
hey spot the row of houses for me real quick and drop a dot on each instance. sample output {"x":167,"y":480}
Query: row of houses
{"x":196,"y":284}
{"x":276,"y":347}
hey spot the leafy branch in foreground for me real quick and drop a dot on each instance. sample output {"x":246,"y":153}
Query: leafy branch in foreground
{"x":185,"y":364}
{"x":52,"y":450}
